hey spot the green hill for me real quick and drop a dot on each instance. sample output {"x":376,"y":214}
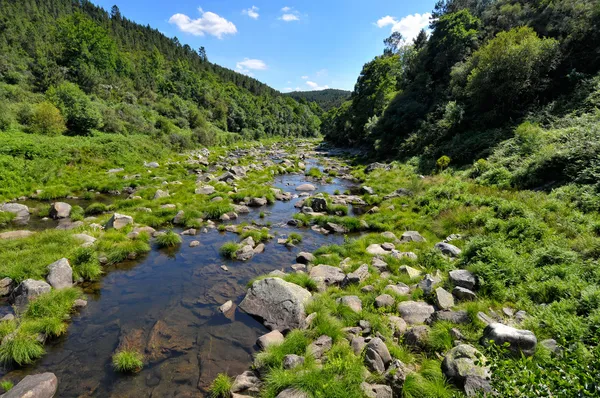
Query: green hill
{"x":326,"y":99}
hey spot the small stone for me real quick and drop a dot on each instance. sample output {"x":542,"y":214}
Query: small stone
{"x":414,"y":312}
{"x":119,"y":221}
{"x":272,"y":338}
{"x":376,"y":249}
{"x":519,"y":340}
{"x":398,"y":325}
{"x":417,"y":337}
{"x":320,"y":346}
{"x":400,"y":289}
{"x":358,"y":276}
{"x":351,"y":301}
{"x":411,"y":236}
{"x":79,"y":304}
{"x":358,"y":344}
{"x":60,"y":210}
{"x":385,"y":300}
{"x":305,"y":258}
{"x":463,"y":278}
{"x":388,"y":246}
{"x":448,"y":249}
{"x":377,"y":356}
{"x":292,"y":361}
{"x":410,"y":271}
{"x":444,"y":299}
{"x":463,"y":294}
{"x":224,"y":268}
{"x":194,"y":243}
{"x":376,"y":390}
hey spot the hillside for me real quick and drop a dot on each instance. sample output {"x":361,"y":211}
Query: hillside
{"x":326,"y":99}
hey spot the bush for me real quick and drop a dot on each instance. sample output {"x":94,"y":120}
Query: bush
{"x":81,"y":114}
{"x":128,"y":361}
{"x":47,"y":120}
{"x":443,"y":163}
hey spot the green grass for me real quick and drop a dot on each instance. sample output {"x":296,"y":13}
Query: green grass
{"x":116,"y":246}
{"x":6,"y":385}
{"x":85,"y":264}
{"x":220,"y":387}
{"x":95,"y":209}
{"x":258,"y":236}
{"x":302,"y":280}
{"x":168,"y":239}
{"x":22,"y":349}
{"x":229,"y":249}
{"x":294,"y":238}
{"x":128,"y":361}
{"x":314,"y":172}
{"x":295,"y":342}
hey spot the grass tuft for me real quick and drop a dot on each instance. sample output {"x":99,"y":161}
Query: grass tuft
{"x":168,"y":239}
{"x":128,"y":361}
{"x":221,"y":386}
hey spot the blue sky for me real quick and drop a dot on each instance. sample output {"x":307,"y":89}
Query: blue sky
{"x":290,"y":45}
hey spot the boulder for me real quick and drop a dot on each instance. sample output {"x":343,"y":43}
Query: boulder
{"x":28,"y":290}
{"x":159,"y":194}
{"x":519,"y":340}
{"x":320,"y":346}
{"x":87,"y":240}
{"x":238,"y":171}
{"x":463,"y":278}
{"x":410,"y":271}
{"x":463,"y":362}
{"x":377,"y":356}
{"x":306,"y":188}
{"x":318,"y":204}
{"x":292,"y":361}
{"x":428,"y":283}
{"x":375,"y":249}
{"x":417,"y":337}
{"x":9,"y":235}
{"x":6,"y":286}
{"x":336,"y":228}
{"x":246,"y":382}
{"x":448,"y":249}
{"x":152,"y":165}
{"x":205,"y":190}
{"x":398,"y":325}
{"x":60,"y":210}
{"x":305,"y":258}
{"x":257,"y":202}
{"x":384,"y":300}
{"x":400,"y":289}
{"x":119,"y":221}
{"x":43,"y":385}
{"x":272,"y":338}
{"x":358,"y":276}
{"x":358,"y":343}
{"x":245,"y":253}
{"x":292,"y":393}
{"x":379,"y":264}
{"x":444,"y":298}
{"x":414,"y":312}
{"x":326,"y":275}
{"x":20,"y":211}
{"x":458,"y":317}
{"x":376,"y":390}
{"x":60,"y":274}
{"x":463,"y":294}
{"x":353,"y":302}
{"x":411,"y":236}
{"x":278,"y":303}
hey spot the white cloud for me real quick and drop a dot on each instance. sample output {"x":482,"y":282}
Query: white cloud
{"x":289,"y":14}
{"x":304,"y":77}
{"x":409,"y":26}
{"x":209,"y":23}
{"x":255,"y":64}
{"x":252,"y":12}
{"x":315,"y":86}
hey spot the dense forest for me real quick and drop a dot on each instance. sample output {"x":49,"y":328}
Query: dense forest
{"x":326,"y":99}
{"x":69,"y":67}
{"x":513,"y":80}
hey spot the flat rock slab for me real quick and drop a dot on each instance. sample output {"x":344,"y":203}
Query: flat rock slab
{"x":415,"y":312}
{"x":42,"y":385}
{"x":16,"y":235}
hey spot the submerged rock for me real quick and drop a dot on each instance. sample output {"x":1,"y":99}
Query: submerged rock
{"x":278,"y":303}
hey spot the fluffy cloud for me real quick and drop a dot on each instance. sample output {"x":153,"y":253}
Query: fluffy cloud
{"x":209,"y":23}
{"x":289,"y":14}
{"x":315,"y":86}
{"x":409,"y":26}
{"x":252,"y":12}
{"x":248,"y":65}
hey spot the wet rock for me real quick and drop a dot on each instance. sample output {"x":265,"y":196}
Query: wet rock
{"x":448,"y":249}
{"x":410,"y":271}
{"x":240,"y":209}
{"x":305,"y":258}
{"x":519,"y":340}
{"x":414,"y":312}
{"x":194,"y":243}
{"x":245,"y":253}
{"x":320,"y":346}
{"x":28,"y":290}
{"x":278,"y":303}
{"x":353,"y":302}
{"x":79,"y":304}
{"x":463,"y":278}
{"x":119,"y":221}
{"x":42,"y":385}
{"x":165,"y":341}
{"x":360,"y":275}
{"x":6,"y":286}
{"x":292,"y":393}
{"x":417,"y":337}
{"x":400,"y":289}
{"x":292,"y":361}
{"x":16,"y":235}
{"x":411,"y":236}
{"x":376,"y":390}
{"x":319,"y":204}
{"x":336,"y":228}
{"x":60,"y":210}
{"x":246,"y":382}
{"x":20,"y":211}
{"x":306,"y":188}
{"x":259,"y":248}
{"x":60,"y":274}
{"x":377,"y":356}
{"x":463,"y":294}
{"x":257,"y":202}
{"x":272,"y":338}
{"x":326,"y":275}
{"x":464,"y":362}
{"x":443,"y":298}
{"x":384,"y":300}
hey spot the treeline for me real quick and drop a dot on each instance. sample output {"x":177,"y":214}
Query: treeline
{"x":486,"y":67}
{"x":326,"y":99}
{"x":70,"y":67}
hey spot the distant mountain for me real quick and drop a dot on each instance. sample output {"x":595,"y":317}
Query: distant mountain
{"x":326,"y":99}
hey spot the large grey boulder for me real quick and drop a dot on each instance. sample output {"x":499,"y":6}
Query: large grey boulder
{"x":464,"y":362}
{"x":377,"y":355}
{"x":60,"y":274}
{"x":358,"y":276}
{"x":376,"y":390}
{"x":411,"y":236}
{"x":519,"y":340}
{"x":119,"y":221}
{"x":20,"y":211}
{"x":28,"y":290}
{"x":444,"y":298}
{"x":463,"y":278}
{"x":326,"y":275}
{"x":415,"y":312}
{"x":278,"y":303}
{"x":305,"y":258}
{"x":60,"y":210}
{"x":305,"y":188}
{"x":448,"y":249}
{"x":43,"y":385}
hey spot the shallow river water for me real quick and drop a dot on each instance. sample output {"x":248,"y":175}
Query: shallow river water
{"x":170,"y":298}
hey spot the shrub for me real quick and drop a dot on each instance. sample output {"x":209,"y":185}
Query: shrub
{"x":47,"y":120}
{"x":128,"y":361}
{"x":81,"y":114}
{"x":168,"y":239}
{"x":443,"y":163}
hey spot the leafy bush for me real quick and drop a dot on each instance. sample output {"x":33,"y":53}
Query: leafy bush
{"x":47,"y":119}
{"x":81,"y":114}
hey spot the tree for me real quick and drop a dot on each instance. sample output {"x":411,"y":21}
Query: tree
{"x":202,"y":54}
{"x":115,"y":13}
{"x":47,"y":120}
{"x":420,"y":41}
{"x":392,"y":43}
{"x":82,"y":116}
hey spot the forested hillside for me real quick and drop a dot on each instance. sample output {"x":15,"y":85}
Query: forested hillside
{"x":69,"y":67}
{"x":514,"y":79}
{"x":326,"y":99}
